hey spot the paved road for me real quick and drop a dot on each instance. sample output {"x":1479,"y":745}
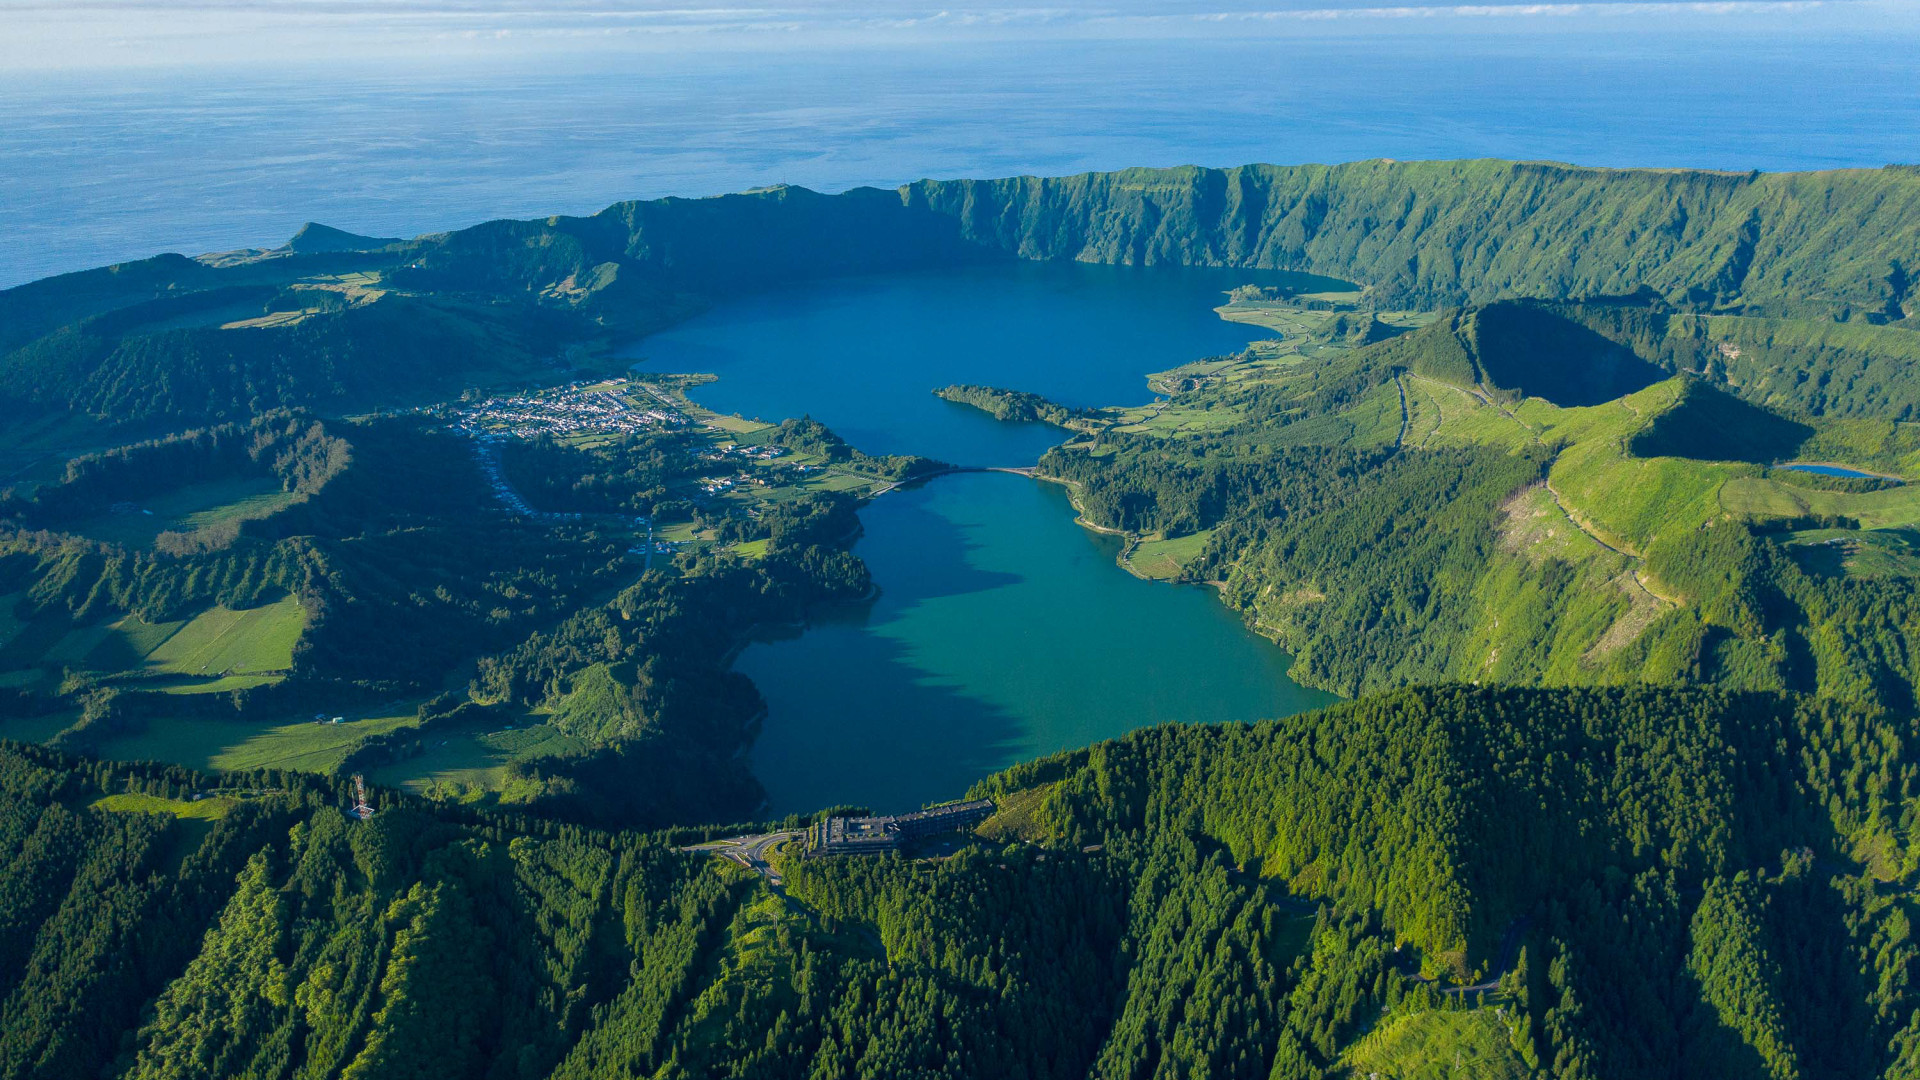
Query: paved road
{"x":1406,"y":417}
{"x":750,"y":852}
{"x":1509,"y":955}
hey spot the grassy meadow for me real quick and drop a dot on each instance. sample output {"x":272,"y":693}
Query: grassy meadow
{"x":188,"y":509}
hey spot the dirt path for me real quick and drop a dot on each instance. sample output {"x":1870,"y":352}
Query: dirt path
{"x":1584,"y":527}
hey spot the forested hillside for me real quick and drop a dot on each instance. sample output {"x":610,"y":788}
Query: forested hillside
{"x":393,"y":577}
{"x":1634,"y":883}
{"x":1430,"y":234}
{"x":1534,"y":492}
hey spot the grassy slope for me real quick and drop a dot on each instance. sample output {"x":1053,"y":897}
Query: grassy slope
{"x":218,"y":649}
{"x":473,"y":759}
{"x":1437,"y":1045}
{"x":201,"y":809}
{"x":1609,"y":495}
{"x":195,"y":506}
{"x":226,"y":744}
{"x":223,"y":641}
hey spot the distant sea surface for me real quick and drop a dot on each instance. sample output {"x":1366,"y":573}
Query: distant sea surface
{"x":100,"y":168}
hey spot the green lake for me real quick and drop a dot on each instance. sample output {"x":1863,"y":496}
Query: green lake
{"x":1002,"y":630}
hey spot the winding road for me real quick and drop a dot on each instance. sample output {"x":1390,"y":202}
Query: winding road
{"x":750,"y":851}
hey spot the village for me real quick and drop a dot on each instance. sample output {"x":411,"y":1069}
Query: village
{"x":578,"y":408}
{"x":739,"y":474}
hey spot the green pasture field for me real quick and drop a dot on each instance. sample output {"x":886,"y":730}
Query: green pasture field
{"x":1862,"y":553}
{"x":222,"y":641}
{"x":473,"y":759}
{"x":218,"y":649}
{"x":735,"y":424}
{"x":207,"y":809}
{"x":38,"y":728}
{"x":185,"y":509}
{"x":201,"y":743}
{"x":10,"y":621}
{"x":1440,"y":414}
{"x":308,"y":745}
{"x":221,"y":684}
{"x":1764,"y":497}
{"x":679,"y":532}
{"x":76,"y":645}
{"x":35,"y":451}
{"x":1181,"y":419}
{"x":31,"y":639}
{"x":1167,"y":559}
{"x":1290,"y":322}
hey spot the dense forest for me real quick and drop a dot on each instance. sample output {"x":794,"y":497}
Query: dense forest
{"x":1011,"y":404}
{"x":1593,"y":883}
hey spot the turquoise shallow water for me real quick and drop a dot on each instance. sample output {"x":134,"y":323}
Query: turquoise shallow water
{"x":1002,"y":630}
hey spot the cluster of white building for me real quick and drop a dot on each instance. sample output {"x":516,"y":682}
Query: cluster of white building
{"x":566,"y":410}
{"x":750,"y":453}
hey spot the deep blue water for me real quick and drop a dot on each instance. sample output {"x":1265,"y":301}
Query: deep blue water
{"x":101,"y":167}
{"x":863,"y":355}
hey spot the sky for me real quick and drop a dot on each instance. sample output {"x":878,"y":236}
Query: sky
{"x":88,"y":35}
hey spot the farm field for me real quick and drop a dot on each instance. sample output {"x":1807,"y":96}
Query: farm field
{"x":202,"y":743}
{"x":218,"y":649}
{"x":469,"y":761}
{"x":1167,"y":559}
{"x":1760,"y":497}
{"x":222,"y":641}
{"x":186,"y":509}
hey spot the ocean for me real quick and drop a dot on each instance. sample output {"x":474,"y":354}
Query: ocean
{"x":107,"y":165}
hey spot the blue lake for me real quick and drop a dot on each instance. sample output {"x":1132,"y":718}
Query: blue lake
{"x":863,"y":355}
{"x":1002,"y":629}
{"x":1832,"y":470}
